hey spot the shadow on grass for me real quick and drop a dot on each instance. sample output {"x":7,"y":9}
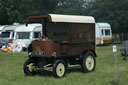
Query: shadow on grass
{"x":45,"y":73}
{"x":73,"y":69}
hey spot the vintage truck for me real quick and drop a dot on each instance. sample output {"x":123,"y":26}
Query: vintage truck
{"x":70,"y":41}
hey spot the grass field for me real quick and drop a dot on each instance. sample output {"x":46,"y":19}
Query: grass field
{"x":11,"y":71}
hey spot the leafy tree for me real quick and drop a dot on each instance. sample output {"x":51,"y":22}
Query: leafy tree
{"x":3,"y":12}
{"x":73,"y":7}
{"x":34,"y":7}
{"x":17,"y":10}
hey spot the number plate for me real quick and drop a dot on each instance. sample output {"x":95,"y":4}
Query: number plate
{"x":3,"y":41}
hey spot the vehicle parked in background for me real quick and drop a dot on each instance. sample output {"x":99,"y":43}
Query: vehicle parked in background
{"x":103,"y":33}
{"x":5,"y":38}
{"x":27,"y":34}
{"x":7,"y":34}
{"x":1,"y":28}
{"x":68,"y":40}
{"x":124,"y":49}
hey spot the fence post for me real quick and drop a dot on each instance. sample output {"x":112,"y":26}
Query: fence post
{"x":116,"y":65}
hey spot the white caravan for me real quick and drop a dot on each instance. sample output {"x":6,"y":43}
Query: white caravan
{"x":25,"y":34}
{"x":103,"y":33}
{"x":2,"y":27}
{"x":7,"y":34}
{"x":10,"y":28}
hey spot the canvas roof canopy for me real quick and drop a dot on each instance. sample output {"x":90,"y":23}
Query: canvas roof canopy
{"x":61,"y":18}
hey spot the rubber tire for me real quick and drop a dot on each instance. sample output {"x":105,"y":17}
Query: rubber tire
{"x":56,"y":63}
{"x":26,"y":70}
{"x":84,"y":59}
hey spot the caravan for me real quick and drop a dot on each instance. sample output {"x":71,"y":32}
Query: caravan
{"x":25,"y":35}
{"x":7,"y":34}
{"x":103,"y":33}
{"x":1,"y":28}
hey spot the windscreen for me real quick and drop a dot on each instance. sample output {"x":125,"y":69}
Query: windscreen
{"x":5,"y":34}
{"x":23,"y":35}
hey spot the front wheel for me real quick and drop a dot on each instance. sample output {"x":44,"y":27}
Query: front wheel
{"x":88,"y":62}
{"x":29,"y":68}
{"x":59,"y":68}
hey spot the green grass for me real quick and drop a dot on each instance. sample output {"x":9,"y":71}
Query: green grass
{"x":11,"y":71}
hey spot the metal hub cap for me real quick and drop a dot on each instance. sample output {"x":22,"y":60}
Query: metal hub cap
{"x":60,"y":69}
{"x":89,"y":63}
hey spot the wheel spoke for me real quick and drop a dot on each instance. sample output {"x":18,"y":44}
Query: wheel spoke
{"x":31,"y":67}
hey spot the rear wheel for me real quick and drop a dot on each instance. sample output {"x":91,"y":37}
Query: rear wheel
{"x":29,"y":68}
{"x":59,"y":68}
{"x":88,"y":62}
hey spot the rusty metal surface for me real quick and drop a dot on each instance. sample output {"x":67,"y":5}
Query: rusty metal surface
{"x":37,"y":19}
{"x":47,"y":47}
{"x":83,"y":35}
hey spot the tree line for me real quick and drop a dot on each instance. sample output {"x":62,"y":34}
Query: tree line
{"x":110,"y":11}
